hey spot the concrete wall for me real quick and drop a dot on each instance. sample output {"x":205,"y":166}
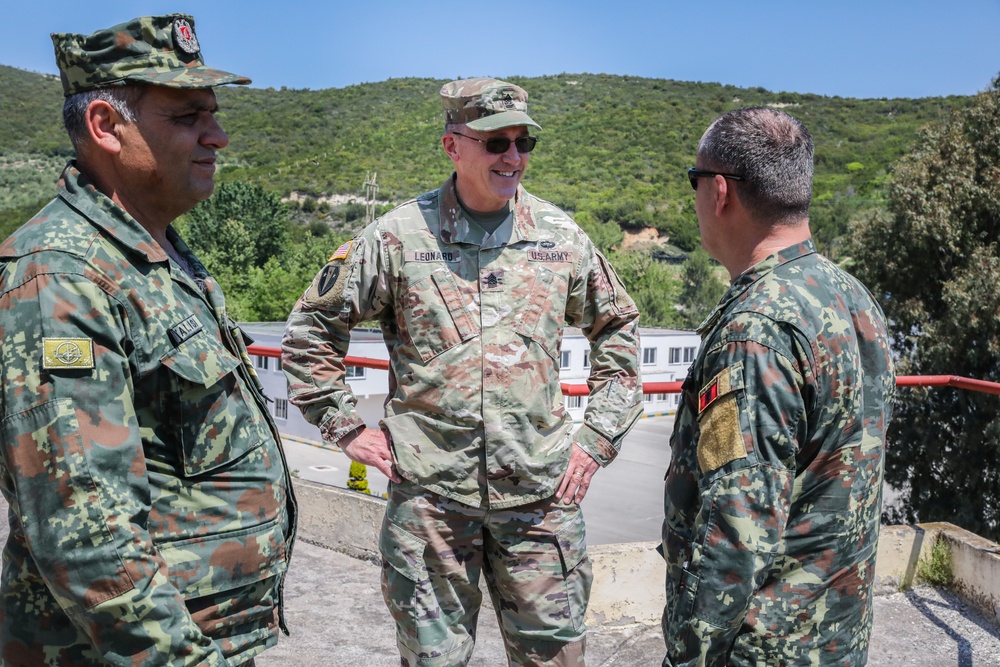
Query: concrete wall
{"x":975,"y":561}
{"x":629,"y":578}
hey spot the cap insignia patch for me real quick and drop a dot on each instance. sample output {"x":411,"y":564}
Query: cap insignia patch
{"x":184,"y":37}
{"x":67,"y":353}
{"x":508,"y":101}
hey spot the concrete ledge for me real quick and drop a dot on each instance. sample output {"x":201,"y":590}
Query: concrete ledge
{"x":629,"y":584}
{"x":629,"y":578}
{"x":975,"y":561}
{"x":340,"y":519}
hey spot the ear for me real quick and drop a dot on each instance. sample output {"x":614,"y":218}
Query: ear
{"x":103,"y":124}
{"x":450,"y":146}
{"x":723,"y":195}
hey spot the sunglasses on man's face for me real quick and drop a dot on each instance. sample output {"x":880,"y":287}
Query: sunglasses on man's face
{"x":498,"y":145}
{"x":695,"y":174}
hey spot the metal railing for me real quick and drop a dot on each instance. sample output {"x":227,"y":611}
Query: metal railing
{"x":675,"y":387}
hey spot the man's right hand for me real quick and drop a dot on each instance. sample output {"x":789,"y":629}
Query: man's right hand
{"x":370,"y":447}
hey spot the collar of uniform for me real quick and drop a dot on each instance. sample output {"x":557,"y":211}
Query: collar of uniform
{"x":743,"y":281}
{"x":456,"y":229}
{"x":78,"y":190}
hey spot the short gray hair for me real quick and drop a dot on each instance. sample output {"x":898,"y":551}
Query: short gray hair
{"x":773,"y":152}
{"x":123,"y":99}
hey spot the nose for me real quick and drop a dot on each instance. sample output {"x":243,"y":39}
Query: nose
{"x":214,"y":135}
{"x":511,"y":155}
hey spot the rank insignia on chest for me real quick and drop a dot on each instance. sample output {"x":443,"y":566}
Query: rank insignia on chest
{"x":491,"y":280}
{"x":67,"y":353}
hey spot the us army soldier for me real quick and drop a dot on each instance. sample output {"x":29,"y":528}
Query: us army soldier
{"x":150,"y":506}
{"x":774,"y":491}
{"x":473,"y":284}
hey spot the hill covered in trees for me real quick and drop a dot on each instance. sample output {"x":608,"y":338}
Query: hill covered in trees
{"x":613,"y":152}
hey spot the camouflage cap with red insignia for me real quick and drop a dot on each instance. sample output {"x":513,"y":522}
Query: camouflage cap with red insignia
{"x":159,"y":50}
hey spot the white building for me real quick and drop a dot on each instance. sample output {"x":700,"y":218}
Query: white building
{"x":666,"y":356}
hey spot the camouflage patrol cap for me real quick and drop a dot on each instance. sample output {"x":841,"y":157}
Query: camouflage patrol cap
{"x":485,"y":104}
{"x":161,"y":50}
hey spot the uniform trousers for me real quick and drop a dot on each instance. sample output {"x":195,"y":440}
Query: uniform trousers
{"x":533,"y":558}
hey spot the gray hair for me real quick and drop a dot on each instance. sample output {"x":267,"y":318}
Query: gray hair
{"x":773,"y":152}
{"x":123,"y":99}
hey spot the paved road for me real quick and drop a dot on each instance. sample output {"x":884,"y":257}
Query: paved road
{"x":624,"y":504}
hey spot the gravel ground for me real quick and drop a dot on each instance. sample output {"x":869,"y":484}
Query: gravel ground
{"x":930,"y":627}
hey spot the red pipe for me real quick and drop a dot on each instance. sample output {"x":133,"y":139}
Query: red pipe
{"x":675,"y":387}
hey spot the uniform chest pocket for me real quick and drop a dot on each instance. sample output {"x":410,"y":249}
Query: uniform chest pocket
{"x":435,"y":315}
{"x":544,"y":314}
{"x":206,"y":406}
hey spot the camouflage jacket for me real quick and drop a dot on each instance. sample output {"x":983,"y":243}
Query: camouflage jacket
{"x":150,"y":506}
{"x":774,"y":491}
{"x":474,"y":326}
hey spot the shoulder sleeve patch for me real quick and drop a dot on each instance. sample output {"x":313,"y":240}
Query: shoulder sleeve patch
{"x":721,"y":438}
{"x":328,"y":287}
{"x":342,"y":252}
{"x":67,"y":353}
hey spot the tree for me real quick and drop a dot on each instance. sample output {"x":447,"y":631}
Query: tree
{"x":933,"y":259}
{"x":700,"y":289}
{"x":358,"y":478}
{"x":651,"y":284}
{"x":260,"y":212}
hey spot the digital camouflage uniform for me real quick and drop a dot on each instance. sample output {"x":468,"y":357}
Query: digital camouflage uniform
{"x":151,"y":515}
{"x":774,"y":490}
{"x":473,"y":324}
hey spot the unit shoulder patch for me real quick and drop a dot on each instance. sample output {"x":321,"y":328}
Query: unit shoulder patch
{"x":67,"y":353}
{"x":721,"y":438}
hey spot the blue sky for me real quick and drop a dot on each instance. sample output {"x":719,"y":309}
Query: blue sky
{"x":848,"y":48}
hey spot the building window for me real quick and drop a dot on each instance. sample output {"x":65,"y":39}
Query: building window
{"x":689,"y":354}
{"x":262,"y":363}
{"x":586,"y":359}
{"x":648,"y":356}
{"x":661,"y":398}
{"x":564,"y":359}
{"x":573,"y":402}
{"x":675,"y":355}
{"x":280,"y":408}
{"x":355,"y":373}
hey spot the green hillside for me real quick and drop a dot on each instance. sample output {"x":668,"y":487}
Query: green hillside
{"x":614,"y":147}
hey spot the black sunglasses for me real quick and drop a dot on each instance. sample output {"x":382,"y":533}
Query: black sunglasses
{"x":498,"y":145}
{"x":695,"y":174}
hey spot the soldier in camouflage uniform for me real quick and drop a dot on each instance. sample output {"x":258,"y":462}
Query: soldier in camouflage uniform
{"x":774,"y":490}
{"x":151,"y":511}
{"x":473,"y":284}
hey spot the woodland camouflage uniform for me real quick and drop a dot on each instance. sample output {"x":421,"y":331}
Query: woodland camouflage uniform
{"x":774,"y":491}
{"x":473,"y":324}
{"x":151,"y":511}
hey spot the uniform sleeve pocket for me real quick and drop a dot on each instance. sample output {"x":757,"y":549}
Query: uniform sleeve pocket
{"x":721,"y":438}
{"x":61,"y":507}
{"x":206,"y":407}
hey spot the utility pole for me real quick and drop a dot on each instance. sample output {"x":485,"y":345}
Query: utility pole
{"x":371,"y":189}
